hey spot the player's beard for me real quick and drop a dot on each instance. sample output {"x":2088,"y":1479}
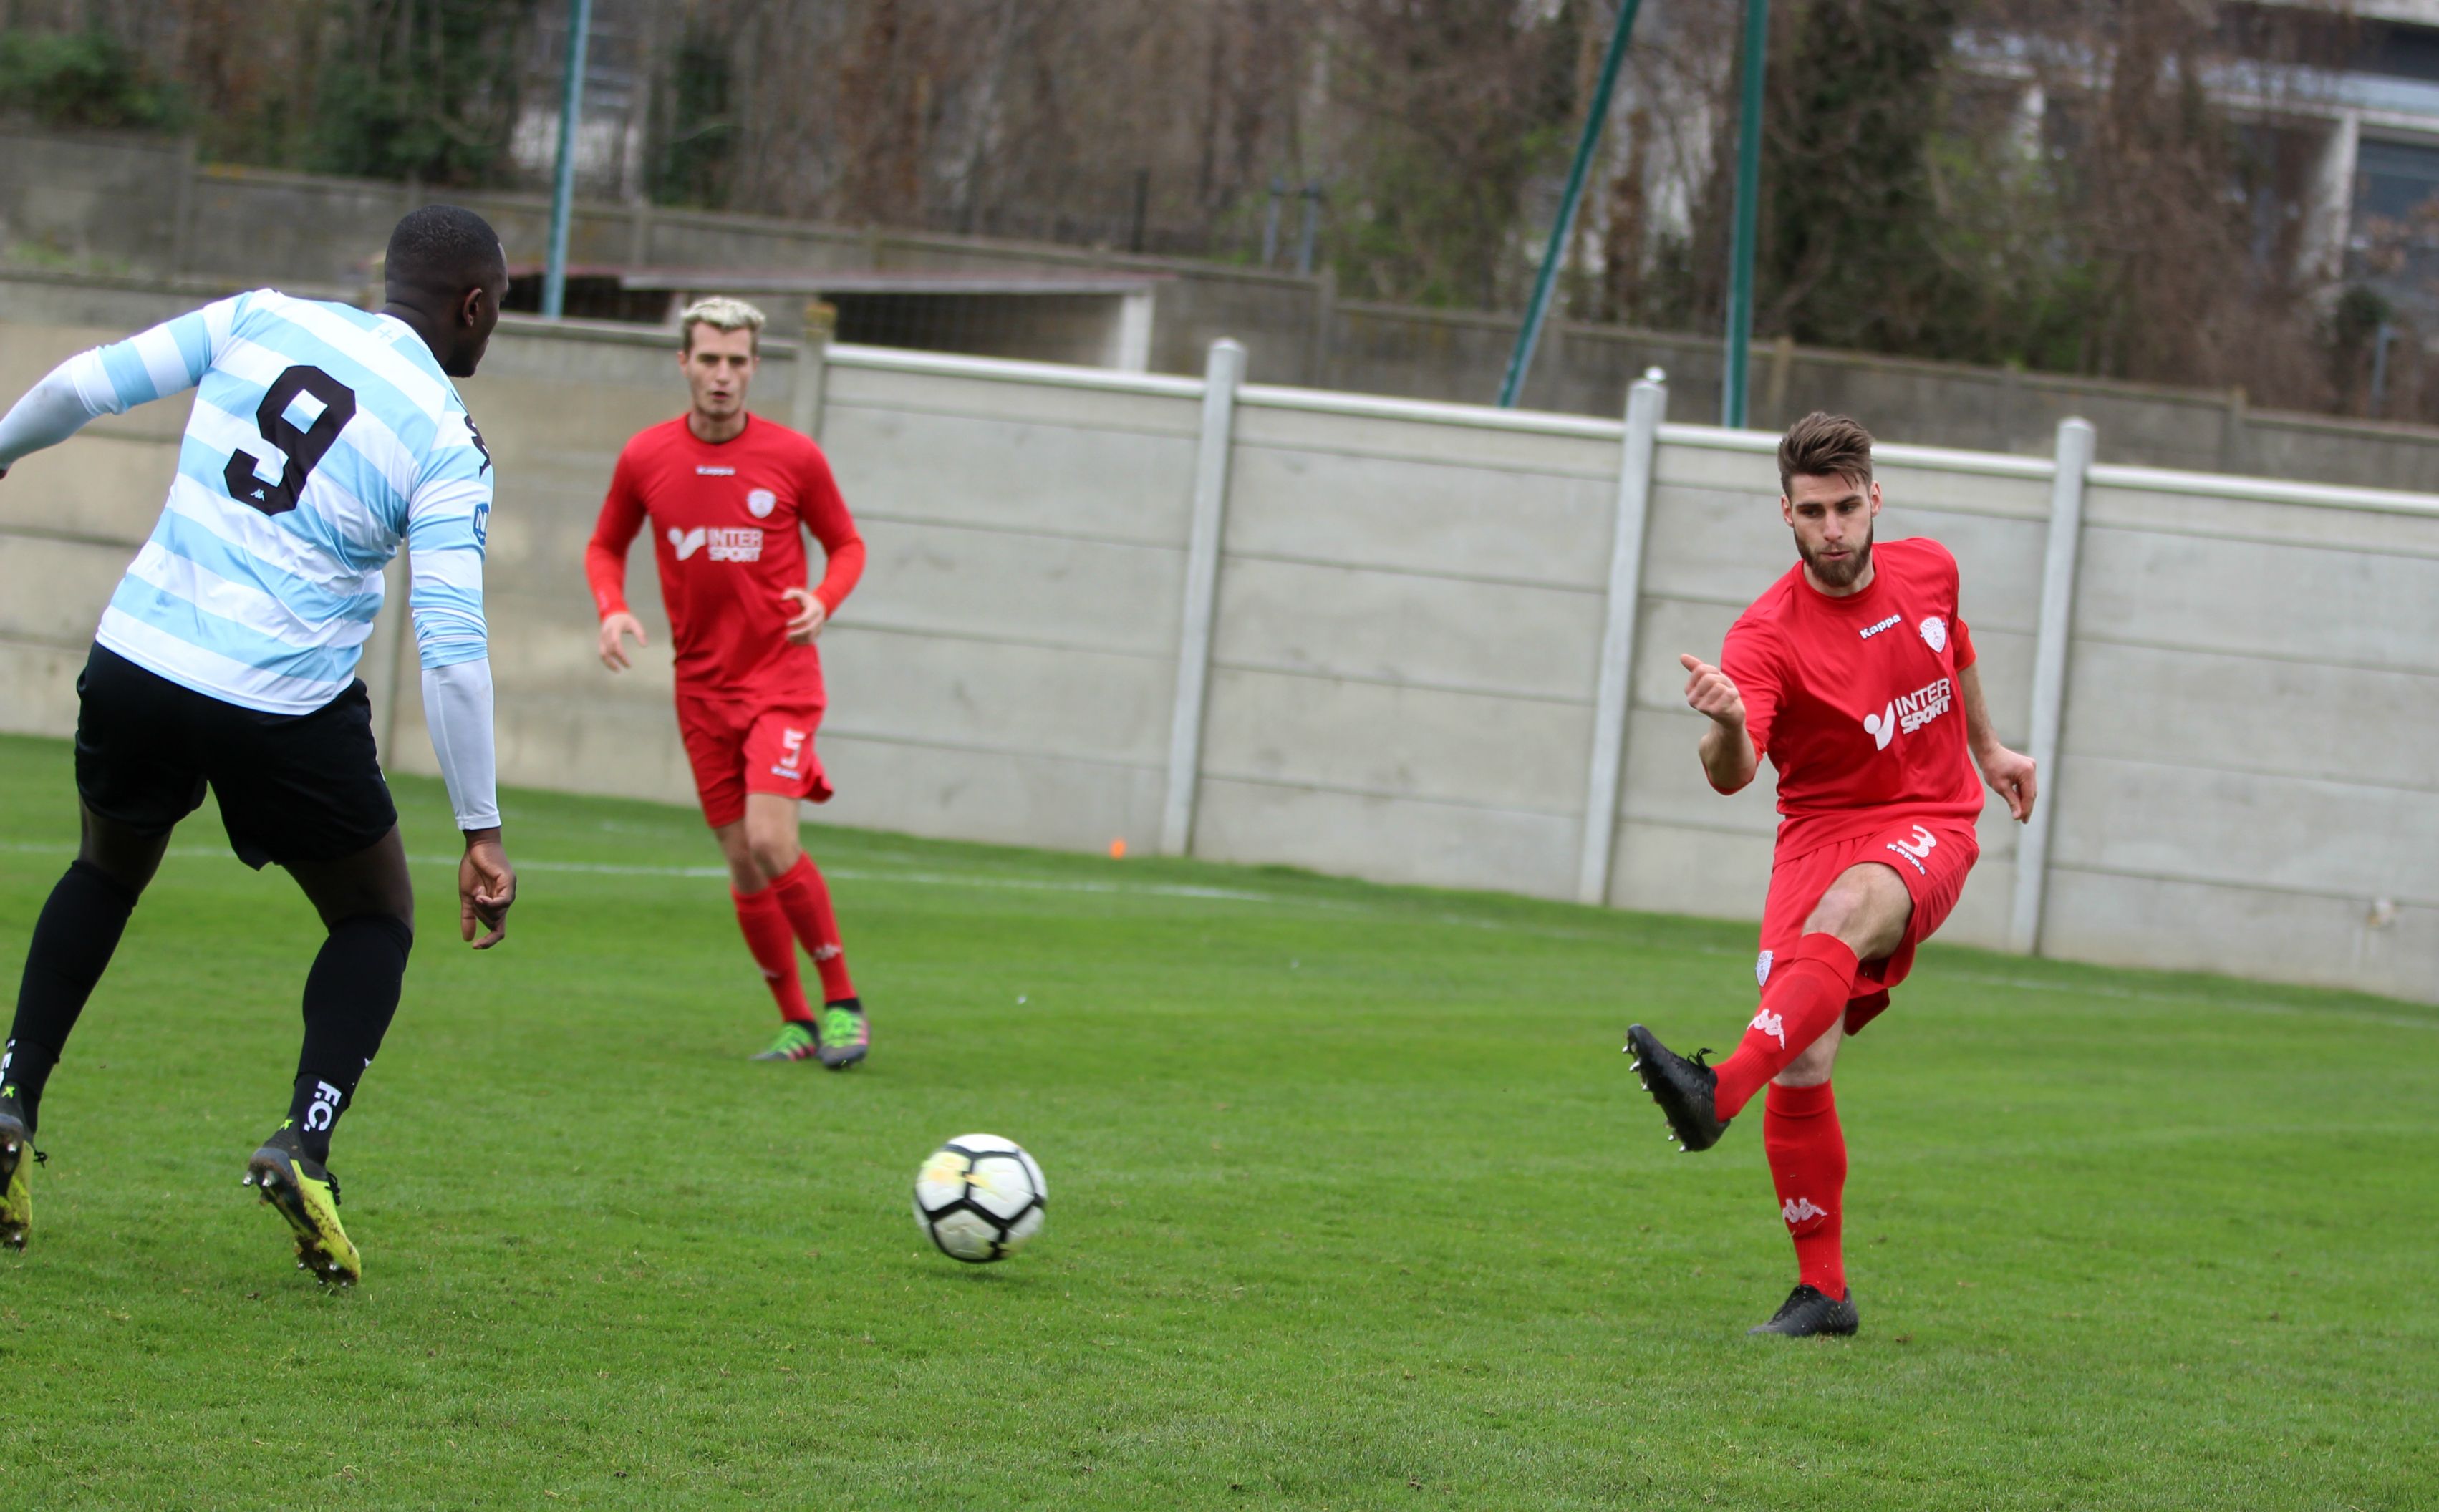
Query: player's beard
{"x":1844,"y":574}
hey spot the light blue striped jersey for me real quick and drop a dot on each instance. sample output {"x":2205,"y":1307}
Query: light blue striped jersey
{"x":322,"y":437}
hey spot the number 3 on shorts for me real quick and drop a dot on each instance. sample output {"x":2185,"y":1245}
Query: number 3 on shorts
{"x":326,"y":406}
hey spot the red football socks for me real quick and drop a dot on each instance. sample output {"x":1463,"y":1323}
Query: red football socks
{"x":1802,"y":1000}
{"x":1807,"y":1164}
{"x":774,"y":945}
{"x":807,"y":899}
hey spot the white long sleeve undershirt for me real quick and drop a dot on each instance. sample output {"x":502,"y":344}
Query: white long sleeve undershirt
{"x":457,"y":710}
{"x":50,"y":413}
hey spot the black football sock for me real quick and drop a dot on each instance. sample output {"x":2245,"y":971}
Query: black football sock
{"x":73,"y":941}
{"x":350,"y":998}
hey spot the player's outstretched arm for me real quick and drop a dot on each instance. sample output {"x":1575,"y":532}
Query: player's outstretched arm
{"x":2009,"y":773}
{"x":168,"y":359}
{"x":1728,"y":756}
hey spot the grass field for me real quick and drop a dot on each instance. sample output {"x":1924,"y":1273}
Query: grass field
{"x":1353,"y":1204}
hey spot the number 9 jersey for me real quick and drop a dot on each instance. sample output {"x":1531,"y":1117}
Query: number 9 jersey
{"x":322,"y":437}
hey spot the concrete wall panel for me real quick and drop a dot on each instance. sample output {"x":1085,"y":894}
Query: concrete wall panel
{"x":2234,"y":713}
{"x":961,"y":794}
{"x":1455,"y":748}
{"x":2266,"y":600}
{"x":2239,"y":932}
{"x":106,"y":489}
{"x":863,"y":378}
{"x":38,"y":690}
{"x":998,"y":695}
{"x":1667,"y":868}
{"x":52,"y":591}
{"x":1388,"y":839}
{"x":990,"y":584}
{"x":1389,"y":627}
{"x":1111,"y":484}
{"x":2240,"y":830}
{"x":2242,"y":513}
{"x":1453,"y":520}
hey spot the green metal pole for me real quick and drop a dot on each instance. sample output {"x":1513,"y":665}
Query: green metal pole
{"x":1740,"y":265}
{"x":1538,"y":309}
{"x":563,"y":194}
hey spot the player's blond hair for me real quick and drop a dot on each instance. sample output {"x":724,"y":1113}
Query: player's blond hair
{"x":1825,"y":446}
{"x":720,"y":314}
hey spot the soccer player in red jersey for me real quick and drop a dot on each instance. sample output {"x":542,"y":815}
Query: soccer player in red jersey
{"x":728,"y":495}
{"x":1855,"y":677}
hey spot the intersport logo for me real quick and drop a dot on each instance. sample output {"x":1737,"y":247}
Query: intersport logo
{"x":1909,"y":713}
{"x":720,"y":543}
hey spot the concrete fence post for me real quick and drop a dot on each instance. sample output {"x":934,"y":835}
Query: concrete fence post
{"x":2075,"y":450}
{"x":812,"y":369}
{"x":1222,"y":374}
{"x":1646,"y":407}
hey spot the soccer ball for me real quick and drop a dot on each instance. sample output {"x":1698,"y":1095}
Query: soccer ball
{"x":979,"y":1197}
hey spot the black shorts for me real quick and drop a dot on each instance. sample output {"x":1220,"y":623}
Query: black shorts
{"x":293,"y":787}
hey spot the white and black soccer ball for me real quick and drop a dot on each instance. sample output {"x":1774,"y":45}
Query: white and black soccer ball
{"x":980,"y":1197}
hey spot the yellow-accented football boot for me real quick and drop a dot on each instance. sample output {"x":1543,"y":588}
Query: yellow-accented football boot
{"x":307,"y":1195}
{"x":16,"y":1192}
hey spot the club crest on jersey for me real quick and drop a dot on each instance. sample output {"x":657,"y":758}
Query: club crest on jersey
{"x":1935,"y":633}
{"x":761,"y":502}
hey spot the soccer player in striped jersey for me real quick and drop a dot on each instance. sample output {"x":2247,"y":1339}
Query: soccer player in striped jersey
{"x":322,"y":440}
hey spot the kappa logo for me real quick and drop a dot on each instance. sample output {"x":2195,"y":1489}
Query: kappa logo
{"x":325,"y":1109}
{"x":1771,"y":1024}
{"x":719,"y":542}
{"x":1935,"y":633}
{"x":1761,"y":969}
{"x":1907,"y":713}
{"x":826,"y":952}
{"x":1890,"y":623}
{"x":761,"y":502}
{"x":1919,"y":850}
{"x":1801,"y":1210}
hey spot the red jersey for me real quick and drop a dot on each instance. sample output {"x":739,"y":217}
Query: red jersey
{"x":1854,"y":699}
{"x":724,"y":535}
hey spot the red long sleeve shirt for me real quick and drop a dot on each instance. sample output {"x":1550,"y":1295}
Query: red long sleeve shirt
{"x":724,"y":535}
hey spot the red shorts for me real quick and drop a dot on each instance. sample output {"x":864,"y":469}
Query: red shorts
{"x":750,"y":745}
{"x":1931,"y":858}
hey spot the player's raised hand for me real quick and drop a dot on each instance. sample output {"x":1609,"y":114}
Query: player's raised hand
{"x":615,"y":627}
{"x":806,"y":626}
{"x":2011,"y":776}
{"x":487,"y":885}
{"x":1708,"y":692}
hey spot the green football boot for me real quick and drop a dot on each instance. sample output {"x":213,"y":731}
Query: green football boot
{"x":307,"y":1195}
{"x":16,"y":1192}
{"x":846,"y":1036}
{"x":797,"y":1041}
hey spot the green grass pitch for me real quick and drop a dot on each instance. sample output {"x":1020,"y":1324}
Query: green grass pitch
{"x":1353,"y":1204}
